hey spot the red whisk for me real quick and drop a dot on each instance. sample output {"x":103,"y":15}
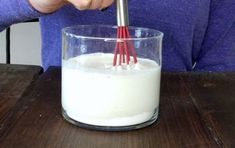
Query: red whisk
{"x":124,"y":49}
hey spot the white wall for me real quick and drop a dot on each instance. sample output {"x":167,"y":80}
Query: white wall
{"x":25,"y":44}
{"x":3,"y":47}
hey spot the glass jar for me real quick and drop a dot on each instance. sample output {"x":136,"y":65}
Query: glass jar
{"x":98,"y":94}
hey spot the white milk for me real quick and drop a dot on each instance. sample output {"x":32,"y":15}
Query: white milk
{"x":94,"y":92}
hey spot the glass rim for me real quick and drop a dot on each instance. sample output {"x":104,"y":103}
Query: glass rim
{"x":66,"y":32}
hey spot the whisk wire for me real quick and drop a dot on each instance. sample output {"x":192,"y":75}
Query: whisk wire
{"x":124,"y":49}
{"x":131,"y":47}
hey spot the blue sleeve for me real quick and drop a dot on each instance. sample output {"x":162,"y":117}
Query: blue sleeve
{"x":14,"y":11}
{"x":218,"y":48}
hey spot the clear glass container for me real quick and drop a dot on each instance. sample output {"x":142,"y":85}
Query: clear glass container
{"x":97,"y":94}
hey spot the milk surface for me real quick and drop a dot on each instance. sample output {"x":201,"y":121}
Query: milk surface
{"x":97,"y":93}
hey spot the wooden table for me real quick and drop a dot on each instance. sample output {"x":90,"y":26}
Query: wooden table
{"x":196,"y":110}
{"x":14,"y":80}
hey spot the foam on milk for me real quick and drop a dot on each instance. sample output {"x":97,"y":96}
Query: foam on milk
{"x":97,"y":93}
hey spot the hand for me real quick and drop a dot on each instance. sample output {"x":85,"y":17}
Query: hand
{"x":48,"y":6}
{"x":91,"y":4}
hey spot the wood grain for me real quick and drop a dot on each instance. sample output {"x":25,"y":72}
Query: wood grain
{"x":14,"y":80}
{"x":214,"y":96}
{"x":181,"y":124}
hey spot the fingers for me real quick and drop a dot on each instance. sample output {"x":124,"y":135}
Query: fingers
{"x":81,"y":4}
{"x":91,"y":4}
{"x":106,"y":3}
{"x":100,"y":4}
{"x":96,"y":4}
{"x":47,"y":6}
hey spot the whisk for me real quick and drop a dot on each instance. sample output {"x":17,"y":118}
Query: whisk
{"x":124,"y":49}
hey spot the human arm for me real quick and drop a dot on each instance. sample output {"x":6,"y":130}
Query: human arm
{"x":14,"y":11}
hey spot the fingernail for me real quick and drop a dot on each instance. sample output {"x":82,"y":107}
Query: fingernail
{"x":103,"y":9}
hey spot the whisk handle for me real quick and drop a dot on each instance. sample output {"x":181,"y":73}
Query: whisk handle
{"x":122,"y":13}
